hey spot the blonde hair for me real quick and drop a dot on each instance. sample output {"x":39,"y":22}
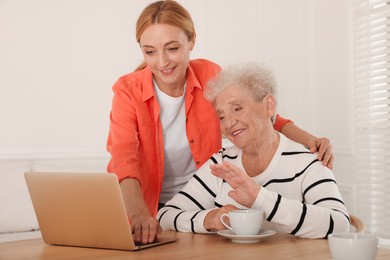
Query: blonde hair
{"x":164,"y":12}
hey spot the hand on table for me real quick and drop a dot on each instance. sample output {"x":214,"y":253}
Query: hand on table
{"x":324,"y":149}
{"x":245,"y":190}
{"x":212,"y":221}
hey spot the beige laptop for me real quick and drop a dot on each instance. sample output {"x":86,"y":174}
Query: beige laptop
{"x":82,"y":209}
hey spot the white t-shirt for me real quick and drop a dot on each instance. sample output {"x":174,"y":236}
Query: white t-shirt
{"x":179,"y":164}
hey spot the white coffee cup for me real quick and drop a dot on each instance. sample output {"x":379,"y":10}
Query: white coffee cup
{"x":244,"y":222}
{"x":357,"y":246}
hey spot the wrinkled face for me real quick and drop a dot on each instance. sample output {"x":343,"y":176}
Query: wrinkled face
{"x":243,"y":121}
{"x":166,"y":50}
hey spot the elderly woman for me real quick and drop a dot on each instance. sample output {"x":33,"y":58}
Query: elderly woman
{"x":263,"y":170}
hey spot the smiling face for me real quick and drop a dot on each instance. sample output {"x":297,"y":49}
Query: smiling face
{"x":166,"y":50}
{"x":245,"y":122}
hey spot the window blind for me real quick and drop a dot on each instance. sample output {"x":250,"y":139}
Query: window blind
{"x":371,"y":30}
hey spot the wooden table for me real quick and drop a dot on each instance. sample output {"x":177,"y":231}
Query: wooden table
{"x":189,"y":246}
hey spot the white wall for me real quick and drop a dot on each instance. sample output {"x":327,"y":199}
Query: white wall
{"x":59,"y":59}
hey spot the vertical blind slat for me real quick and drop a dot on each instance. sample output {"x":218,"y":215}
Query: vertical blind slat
{"x":372,"y":111}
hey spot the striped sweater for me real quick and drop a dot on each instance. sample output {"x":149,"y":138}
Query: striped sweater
{"x":298,"y":194}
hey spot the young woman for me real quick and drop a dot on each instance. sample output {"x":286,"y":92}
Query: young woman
{"x":161,"y":127}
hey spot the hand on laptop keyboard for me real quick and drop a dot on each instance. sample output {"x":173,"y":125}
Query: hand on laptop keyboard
{"x":145,"y":229}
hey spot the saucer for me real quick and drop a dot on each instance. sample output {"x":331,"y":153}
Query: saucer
{"x":246,"y":238}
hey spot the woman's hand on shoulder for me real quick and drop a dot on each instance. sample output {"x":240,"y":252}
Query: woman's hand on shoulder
{"x":324,"y":148}
{"x":321,"y":145}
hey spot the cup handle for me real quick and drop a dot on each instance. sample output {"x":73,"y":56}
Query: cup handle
{"x":223,"y":222}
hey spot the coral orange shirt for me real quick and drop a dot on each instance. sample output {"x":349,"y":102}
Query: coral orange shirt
{"x":135,"y":139}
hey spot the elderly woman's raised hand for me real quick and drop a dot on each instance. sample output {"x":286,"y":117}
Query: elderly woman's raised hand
{"x":324,"y":149}
{"x":245,"y":190}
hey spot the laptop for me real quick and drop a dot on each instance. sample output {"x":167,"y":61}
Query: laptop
{"x":82,"y":209}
